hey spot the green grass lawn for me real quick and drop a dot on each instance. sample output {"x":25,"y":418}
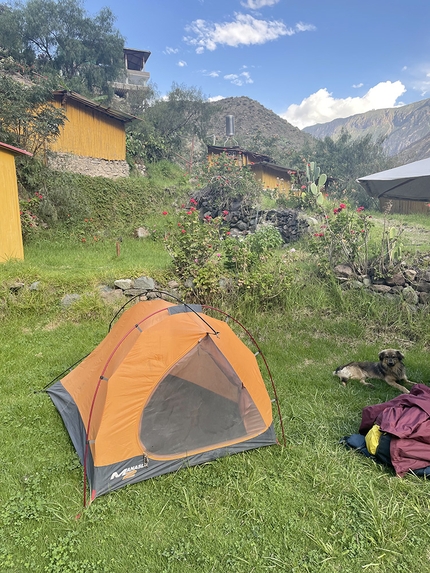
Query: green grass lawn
{"x":308,"y":506}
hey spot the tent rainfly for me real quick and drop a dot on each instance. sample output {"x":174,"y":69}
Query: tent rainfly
{"x":410,"y":182}
{"x":168,"y":387}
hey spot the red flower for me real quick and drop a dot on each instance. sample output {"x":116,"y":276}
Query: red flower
{"x":164,"y":212}
{"x":360,"y":209}
{"x":342,"y":206}
{"x":225,"y":213}
{"x":183,"y":231}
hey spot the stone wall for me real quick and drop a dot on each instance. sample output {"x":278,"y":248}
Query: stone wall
{"x":411,"y":284}
{"x":88,"y":165}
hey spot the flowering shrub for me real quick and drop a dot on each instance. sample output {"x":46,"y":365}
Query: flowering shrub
{"x":28,"y":210}
{"x":192,"y":242}
{"x":228,"y":180}
{"x":344,"y":238}
{"x":212,"y":264}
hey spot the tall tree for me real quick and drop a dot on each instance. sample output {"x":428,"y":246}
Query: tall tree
{"x":171,"y":125}
{"x":59,"y":36}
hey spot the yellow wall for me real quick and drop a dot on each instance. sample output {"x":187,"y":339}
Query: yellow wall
{"x":405,"y":207}
{"x":272,"y":179}
{"x":269,"y":178}
{"x":90,"y":133}
{"x":10,"y":222}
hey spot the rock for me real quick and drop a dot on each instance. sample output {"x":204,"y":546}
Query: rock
{"x":132,"y":291}
{"x":70,"y":299}
{"x":410,"y":275}
{"x":123,"y":284}
{"x":424,"y":297}
{"x":343,"y":271}
{"x":410,"y":296}
{"x":144,"y":283}
{"x":34,"y":286}
{"x":396,"y":280}
{"x":141,"y":233}
{"x":384,"y":289}
{"x":423,"y":286}
{"x":241,"y":225}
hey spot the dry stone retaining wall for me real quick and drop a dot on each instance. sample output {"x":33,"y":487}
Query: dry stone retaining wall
{"x":91,"y":166}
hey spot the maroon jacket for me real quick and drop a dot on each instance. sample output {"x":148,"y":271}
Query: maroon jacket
{"x":407,"y":419}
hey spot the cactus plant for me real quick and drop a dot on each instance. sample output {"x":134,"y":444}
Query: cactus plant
{"x":315,"y":183}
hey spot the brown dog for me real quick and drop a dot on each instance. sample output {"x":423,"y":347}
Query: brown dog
{"x":389,"y":368}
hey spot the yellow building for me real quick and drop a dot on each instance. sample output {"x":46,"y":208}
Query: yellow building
{"x":90,"y":130}
{"x":11,"y":246}
{"x":270,"y":175}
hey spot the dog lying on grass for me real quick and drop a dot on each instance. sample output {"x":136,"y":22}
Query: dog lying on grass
{"x":390,"y":368}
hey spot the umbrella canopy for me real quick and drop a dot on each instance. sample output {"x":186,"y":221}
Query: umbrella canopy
{"x":410,"y":182}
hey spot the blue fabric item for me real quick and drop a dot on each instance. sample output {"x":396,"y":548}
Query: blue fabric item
{"x":422,"y":472}
{"x":356,"y":442}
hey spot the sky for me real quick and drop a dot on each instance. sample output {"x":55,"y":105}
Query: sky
{"x":309,"y":61}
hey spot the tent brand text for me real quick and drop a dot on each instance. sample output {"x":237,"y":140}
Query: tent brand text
{"x":124,"y":473}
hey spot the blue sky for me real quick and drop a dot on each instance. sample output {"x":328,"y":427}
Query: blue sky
{"x":310,"y":61}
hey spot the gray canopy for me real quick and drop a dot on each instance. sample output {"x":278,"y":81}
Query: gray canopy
{"x":410,"y":182}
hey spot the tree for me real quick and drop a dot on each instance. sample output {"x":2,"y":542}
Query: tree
{"x":28,"y":118}
{"x":58,"y":36}
{"x":171,"y":126}
{"x":345,"y":160}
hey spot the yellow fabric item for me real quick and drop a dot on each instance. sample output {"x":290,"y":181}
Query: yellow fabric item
{"x":372,"y":439}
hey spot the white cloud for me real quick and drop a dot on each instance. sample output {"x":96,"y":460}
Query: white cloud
{"x":213,"y":74}
{"x":216,"y":98}
{"x":321,"y":106}
{"x":169,"y":50}
{"x":182,"y":64}
{"x":360,"y":85}
{"x":239,"y":79}
{"x":244,"y":30}
{"x":257,"y":4}
{"x":420,"y":78}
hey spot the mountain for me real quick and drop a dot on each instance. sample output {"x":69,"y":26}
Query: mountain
{"x":405,"y":131}
{"x":256,"y":128}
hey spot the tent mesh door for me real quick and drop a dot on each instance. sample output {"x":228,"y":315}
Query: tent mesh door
{"x":200,"y":403}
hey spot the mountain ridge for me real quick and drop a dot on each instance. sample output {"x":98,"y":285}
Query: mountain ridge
{"x":257,"y":128}
{"x":404,"y":131}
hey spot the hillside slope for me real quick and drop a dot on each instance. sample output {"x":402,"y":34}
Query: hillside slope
{"x":404,"y":130}
{"x":256,"y":128}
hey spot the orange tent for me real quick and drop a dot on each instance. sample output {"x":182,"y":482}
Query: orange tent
{"x":168,"y":387}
